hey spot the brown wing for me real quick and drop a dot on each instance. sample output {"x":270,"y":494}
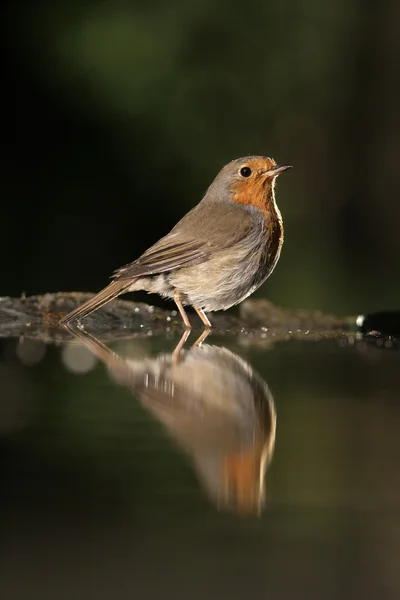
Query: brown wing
{"x":160,"y":260}
{"x":204,"y":230}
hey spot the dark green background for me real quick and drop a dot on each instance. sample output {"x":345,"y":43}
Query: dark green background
{"x":119,"y":114}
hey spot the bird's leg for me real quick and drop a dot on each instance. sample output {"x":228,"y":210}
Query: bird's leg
{"x":201,"y":339}
{"x":181,"y":343}
{"x":178,"y":302}
{"x":203,"y":317}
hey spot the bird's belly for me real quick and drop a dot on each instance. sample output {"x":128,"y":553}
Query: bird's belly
{"x":222,"y":281}
{"x":154,"y":284}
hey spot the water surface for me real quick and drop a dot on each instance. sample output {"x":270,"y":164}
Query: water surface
{"x":231,"y":469}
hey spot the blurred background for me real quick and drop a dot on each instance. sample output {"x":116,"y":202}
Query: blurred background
{"x":118,"y":116}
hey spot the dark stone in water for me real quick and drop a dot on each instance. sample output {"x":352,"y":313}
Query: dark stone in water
{"x":384,"y":323}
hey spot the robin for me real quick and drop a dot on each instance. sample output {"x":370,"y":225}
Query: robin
{"x":218,"y":254}
{"x":216,"y":408}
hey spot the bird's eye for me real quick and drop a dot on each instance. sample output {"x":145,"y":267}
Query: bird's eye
{"x":245,"y":171}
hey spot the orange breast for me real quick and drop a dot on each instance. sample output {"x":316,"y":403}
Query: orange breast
{"x":251,"y":193}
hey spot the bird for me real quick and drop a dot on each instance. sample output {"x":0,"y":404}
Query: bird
{"x":218,"y":254}
{"x":214,"y":406}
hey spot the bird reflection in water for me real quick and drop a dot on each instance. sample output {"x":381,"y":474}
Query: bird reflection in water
{"x":213,"y":405}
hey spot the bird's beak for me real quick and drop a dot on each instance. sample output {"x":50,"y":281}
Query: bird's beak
{"x":276,"y":171}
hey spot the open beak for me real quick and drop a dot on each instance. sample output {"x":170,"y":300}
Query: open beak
{"x":277,"y":171}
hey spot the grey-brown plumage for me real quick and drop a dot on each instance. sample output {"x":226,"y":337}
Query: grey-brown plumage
{"x":218,"y":253}
{"x":215,"y":407}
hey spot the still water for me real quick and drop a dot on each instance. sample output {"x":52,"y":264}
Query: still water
{"x":225,"y":470}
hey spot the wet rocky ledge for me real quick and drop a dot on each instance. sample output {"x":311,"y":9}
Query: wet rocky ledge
{"x":37,"y":316}
{"x":259,"y":321}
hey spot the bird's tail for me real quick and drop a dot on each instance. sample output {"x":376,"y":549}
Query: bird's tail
{"x":103,"y":297}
